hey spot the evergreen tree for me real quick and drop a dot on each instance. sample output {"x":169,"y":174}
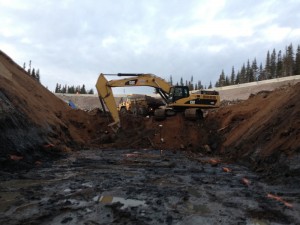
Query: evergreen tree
{"x":71,"y":89}
{"x":268,"y":67}
{"x":227,"y":81}
{"x":279,"y":65}
{"x":82,"y":89}
{"x":297,"y":62}
{"x":249,"y":73}
{"x":210,"y":85}
{"x":273,"y":65}
{"x":29,"y":69}
{"x":91,"y":91}
{"x":222,"y":79}
{"x":200,"y":86}
{"x":232,"y":76}
{"x":190,"y":86}
{"x":181,"y":81}
{"x":217,"y":84}
{"x":56,"y":88}
{"x":171,"y":80}
{"x":243,"y":75}
{"x":38,"y":76}
{"x":261,"y":75}
{"x":251,"y":77}
{"x":238,"y":78}
{"x":255,"y":70}
{"x":192,"y":83}
{"x":196,"y":87}
{"x":33,"y":73}
{"x":289,"y":61}
{"x":64,"y":89}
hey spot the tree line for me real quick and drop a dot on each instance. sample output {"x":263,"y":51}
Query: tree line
{"x":277,"y":65}
{"x":190,"y":83}
{"x":72,"y":89}
{"x":32,"y":72}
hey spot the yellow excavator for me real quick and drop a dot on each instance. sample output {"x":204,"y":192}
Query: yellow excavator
{"x":176,"y":98}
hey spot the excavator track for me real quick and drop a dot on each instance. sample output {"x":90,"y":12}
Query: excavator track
{"x":193,"y":114}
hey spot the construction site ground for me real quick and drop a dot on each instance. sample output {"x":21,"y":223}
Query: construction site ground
{"x":240,"y":165}
{"x":144,"y":187}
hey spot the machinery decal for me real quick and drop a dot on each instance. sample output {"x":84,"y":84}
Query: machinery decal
{"x":131,"y":82}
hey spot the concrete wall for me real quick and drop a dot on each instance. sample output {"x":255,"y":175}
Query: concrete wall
{"x":242,"y":91}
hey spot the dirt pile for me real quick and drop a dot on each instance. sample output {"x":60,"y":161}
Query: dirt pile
{"x":35,"y":123}
{"x":174,"y":133}
{"x":263,"y":130}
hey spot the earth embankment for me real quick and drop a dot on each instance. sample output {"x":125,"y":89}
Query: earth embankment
{"x":262,"y":130}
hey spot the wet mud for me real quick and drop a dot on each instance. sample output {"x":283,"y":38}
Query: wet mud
{"x":144,"y":187}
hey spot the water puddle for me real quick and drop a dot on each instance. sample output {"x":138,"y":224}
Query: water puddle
{"x":17,"y":184}
{"x":163,"y":182}
{"x":256,"y":222}
{"x":125,"y":202}
{"x":7,"y":199}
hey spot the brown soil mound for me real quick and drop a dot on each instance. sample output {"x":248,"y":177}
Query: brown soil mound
{"x":35,"y":123}
{"x":174,"y":133}
{"x":263,"y":130}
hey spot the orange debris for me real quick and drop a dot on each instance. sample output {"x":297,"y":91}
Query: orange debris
{"x":226,"y":169}
{"x":277,"y":198}
{"x":131,"y":155}
{"x":49,"y":145}
{"x":15,"y":157}
{"x":214,"y":162}
{"x":246,"y":181}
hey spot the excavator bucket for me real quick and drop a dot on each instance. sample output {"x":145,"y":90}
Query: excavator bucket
{"x":105,"y":94}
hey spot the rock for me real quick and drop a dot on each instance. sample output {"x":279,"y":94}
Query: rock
{"x":207,"y":148}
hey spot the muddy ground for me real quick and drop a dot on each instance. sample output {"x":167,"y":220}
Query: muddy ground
{"x":144,"y":187}
{"x":63,"y":166}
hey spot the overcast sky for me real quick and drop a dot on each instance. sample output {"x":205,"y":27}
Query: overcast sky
{"x":73,"y":41}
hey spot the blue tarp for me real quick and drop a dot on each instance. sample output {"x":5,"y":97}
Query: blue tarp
{"x":73,"y":106}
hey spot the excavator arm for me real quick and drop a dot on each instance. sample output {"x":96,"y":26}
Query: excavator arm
{"x":104,"y":89}
{"x":106,"y":96}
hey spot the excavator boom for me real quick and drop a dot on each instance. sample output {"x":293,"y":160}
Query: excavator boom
{"x":143,"y":79}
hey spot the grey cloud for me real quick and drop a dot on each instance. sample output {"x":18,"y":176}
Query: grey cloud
{"x":66,"y":38}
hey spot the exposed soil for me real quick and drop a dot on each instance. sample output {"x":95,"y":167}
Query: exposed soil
{"x":38,"y":128}
{"x":264,"y":131}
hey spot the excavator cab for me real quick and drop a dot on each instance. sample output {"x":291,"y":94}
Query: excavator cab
{"x":178,"y":92}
